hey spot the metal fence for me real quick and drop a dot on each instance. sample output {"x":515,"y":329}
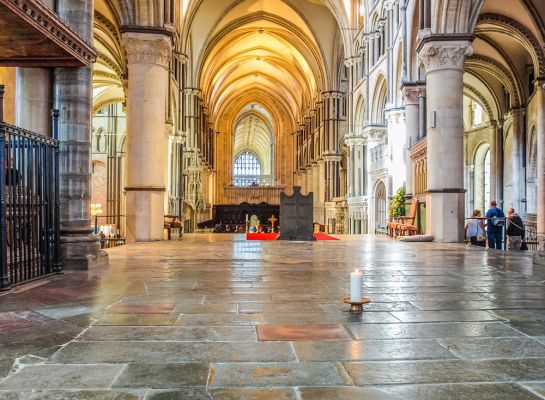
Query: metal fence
{"x":530,"y":236}
{"x":29,"y":204}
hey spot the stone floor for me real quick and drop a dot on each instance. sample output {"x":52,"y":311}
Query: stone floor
{"x":205,"y":318}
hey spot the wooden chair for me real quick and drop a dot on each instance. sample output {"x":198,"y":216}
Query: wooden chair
{"x":404,"y":224}
{"x":408,"y":223}
{"x":172,"y":222}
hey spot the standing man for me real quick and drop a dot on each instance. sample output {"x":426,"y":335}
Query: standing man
{"x":515,"y":230}
{"x":495,"y":222}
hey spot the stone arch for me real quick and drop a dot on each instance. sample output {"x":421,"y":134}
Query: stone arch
{"x":381,"y":204}
{"x":380,"y":97}
{"x":475,"y":95}
{"x":455,"y":16}
{"x":398,"y":75}
{"x":110,"y":63}
{"x":501,"y":73}
{"x":359,"y":114}
{"x":520,"y":33}
{"x":320,"y":70}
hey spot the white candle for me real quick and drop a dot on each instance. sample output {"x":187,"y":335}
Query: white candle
{"x":355,"y":286}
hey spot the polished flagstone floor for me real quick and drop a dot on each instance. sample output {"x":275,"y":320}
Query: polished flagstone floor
{"x":218,"y":317}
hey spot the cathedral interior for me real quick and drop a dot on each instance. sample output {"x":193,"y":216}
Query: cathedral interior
{"x":134,"y":131}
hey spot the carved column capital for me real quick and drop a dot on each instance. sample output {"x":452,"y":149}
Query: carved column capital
{"x":147,"y":49}
{"x":395,"y":116}
{"x":412,"y":92}
{"x":183,"y":58}
{"x":437,"y":55}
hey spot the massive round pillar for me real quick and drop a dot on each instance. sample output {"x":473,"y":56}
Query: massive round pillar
{"x":73,"y":90}
{"x":148,"y":57}
{"x":444,"y":64}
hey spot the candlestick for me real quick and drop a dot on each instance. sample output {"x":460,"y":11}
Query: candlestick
{"x":355,"y":286}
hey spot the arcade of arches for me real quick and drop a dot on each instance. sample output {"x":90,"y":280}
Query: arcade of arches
{"x":203,"y":103}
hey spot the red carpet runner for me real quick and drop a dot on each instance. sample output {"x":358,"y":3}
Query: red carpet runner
{"x":274,"y":236}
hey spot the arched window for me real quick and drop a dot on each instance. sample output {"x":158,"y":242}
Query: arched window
{"x":247,"y":170}
{"x":481,"y":183}
{"x":381,"y":206}
{"x":477,"y":114}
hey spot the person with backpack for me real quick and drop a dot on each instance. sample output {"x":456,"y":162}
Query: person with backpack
{"x":494,"y":228}
{"x":515,"y":230}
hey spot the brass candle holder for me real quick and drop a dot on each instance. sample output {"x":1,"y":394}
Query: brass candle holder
{"x":356,"y":306}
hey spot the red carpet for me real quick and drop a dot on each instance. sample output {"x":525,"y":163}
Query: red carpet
{"x":274,"y":236}
{"x":323,"y":236}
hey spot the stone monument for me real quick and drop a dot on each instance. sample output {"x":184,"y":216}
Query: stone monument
{"x":296,"y":212}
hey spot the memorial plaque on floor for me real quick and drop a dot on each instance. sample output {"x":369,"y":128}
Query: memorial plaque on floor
{"x":296,"y":216}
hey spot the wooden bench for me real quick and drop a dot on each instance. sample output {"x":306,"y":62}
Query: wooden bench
{"x":172,"y":222}
{"x":404,"y":224}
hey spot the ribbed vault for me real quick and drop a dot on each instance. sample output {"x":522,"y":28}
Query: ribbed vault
{"x":261,"y":67}
{"x":109,"y":67}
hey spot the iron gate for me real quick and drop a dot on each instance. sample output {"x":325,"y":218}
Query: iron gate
{"x":29,"y":204}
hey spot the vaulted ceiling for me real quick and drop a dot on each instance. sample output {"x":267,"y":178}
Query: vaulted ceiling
{"x":110,"y":64}
{"x":508,"y":54}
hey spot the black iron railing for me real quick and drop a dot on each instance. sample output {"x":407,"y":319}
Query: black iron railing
{"x":530,"y":236}
{"x":29,"y":204}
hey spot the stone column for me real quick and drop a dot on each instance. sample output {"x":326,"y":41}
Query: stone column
{"x":410,"y":95}
{"x":319,"y":206}
{"x":332,"y":165}
{"x":73,"y":91}
{"x":332,"y":104}
{"x":34,"y":96}
{"x":516,"y":159}
{"x":148,"y":57}
{"x":321,"y":182}
{"x":498,"y":155}
{"x":493,"y":160}
{"x":444,"y":64}
{"x":33,"y":100}
{"x":358,"y":154}
{"x":540,"y":133}
{"x":351,"y":176}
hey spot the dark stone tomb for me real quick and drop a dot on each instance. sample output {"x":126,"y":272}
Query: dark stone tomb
{"x":296,"y":216}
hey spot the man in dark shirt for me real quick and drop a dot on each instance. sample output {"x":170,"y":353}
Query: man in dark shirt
{"x":515,"y":230}
{"x":495,"y":221}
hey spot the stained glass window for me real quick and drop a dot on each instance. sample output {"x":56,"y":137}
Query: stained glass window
{"x":247,"y":170}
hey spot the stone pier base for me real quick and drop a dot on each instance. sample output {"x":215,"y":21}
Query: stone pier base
{"x":82,"y":252}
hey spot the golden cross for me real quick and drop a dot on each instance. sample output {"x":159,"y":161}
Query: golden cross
{"x":272,"y":220}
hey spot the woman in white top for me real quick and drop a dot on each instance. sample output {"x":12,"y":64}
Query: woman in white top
{"x":475,"y":230}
